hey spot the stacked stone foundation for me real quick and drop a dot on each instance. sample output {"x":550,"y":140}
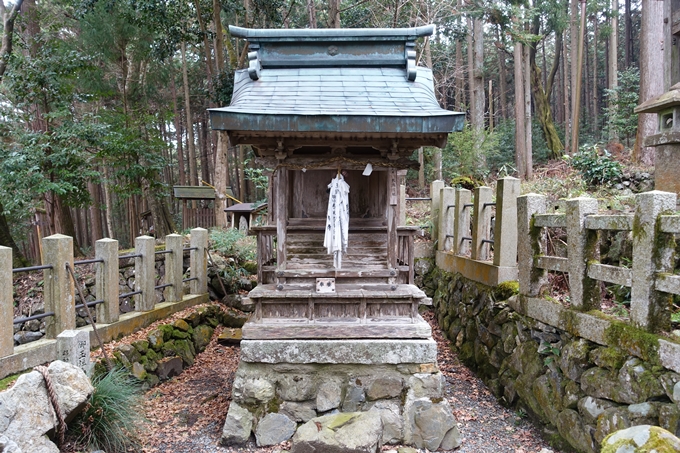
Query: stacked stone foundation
{"x":405,"y":398}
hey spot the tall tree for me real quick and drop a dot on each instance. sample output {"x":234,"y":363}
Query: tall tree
{"x":542,"y":93}
{"x":8,"y":19}
{"x":651,"y":78}
{"x":612,"y":63}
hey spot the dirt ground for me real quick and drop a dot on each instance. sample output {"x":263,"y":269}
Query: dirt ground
{"x":186,"y":413}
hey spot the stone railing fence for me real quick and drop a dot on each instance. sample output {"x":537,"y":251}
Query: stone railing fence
{"x":520,"y":253}
{"x":61,"y":298}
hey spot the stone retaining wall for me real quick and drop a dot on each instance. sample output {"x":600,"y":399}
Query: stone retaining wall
{"x":168,"y":349}
{"x":579,"y":389}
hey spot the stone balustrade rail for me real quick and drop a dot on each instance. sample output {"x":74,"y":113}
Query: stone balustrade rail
{"x":61,"y":297}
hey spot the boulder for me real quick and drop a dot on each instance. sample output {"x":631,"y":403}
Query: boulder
{"x":237,"y":426}
{"x":384,"y":387}
{"x":329,"y":396}
{"x":393,"y":423}
{"x":578,"y":434}
{"x":169,"y":367}
{"x":274,"y":429}
{"x":299,"y":412}
{"x":347,"y":432}
{"x":201,"y":336}
{"x":641,"y":438}
{"x":26,"y":413}
{"x":354,"y":398}
{"x":24,"y":337}
{"x":574,"y":359}
{"x":252,"y":390}
{"x":591,"y":408}
{"x":427,"y":422}
{"x":233,"y":318}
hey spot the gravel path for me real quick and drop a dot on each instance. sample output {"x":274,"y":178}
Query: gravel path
{"x":186,"y":413}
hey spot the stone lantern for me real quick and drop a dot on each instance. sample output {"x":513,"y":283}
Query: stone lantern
{"x":666,"y":140}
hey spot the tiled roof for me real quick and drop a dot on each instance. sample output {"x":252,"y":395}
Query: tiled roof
{"x":335,"y":91}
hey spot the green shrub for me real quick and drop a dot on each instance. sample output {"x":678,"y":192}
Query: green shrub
{"x":234,"y":243}
{"x":595,"y":168}
{"x":113,"y":419}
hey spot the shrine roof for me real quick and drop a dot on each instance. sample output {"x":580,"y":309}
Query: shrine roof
{"x":340,"y":81}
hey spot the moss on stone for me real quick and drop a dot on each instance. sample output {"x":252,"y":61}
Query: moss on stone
{"x":341,"y":420}
{"x":636,"y":341}
{"x":568,"y":321}
{"x":274,"y":405}
{"x":659,"y":441}
{"x":505,"y":290}
{"x":167,"y":331}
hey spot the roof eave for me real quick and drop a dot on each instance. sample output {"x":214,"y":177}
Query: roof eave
{"x":341,"y":123}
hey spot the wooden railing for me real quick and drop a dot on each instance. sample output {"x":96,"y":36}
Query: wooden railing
{"x":266,"y":253}
{"x":405,"y":255}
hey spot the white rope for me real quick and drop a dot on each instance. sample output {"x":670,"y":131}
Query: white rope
{"x":337,"y":220}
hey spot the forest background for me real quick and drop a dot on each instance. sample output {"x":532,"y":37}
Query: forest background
{"x":104,"y":102}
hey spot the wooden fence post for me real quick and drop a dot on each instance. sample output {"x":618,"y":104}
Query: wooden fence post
{"x":6,"y":303}
{"x":648,"y":307}
{"x":107,"y":279}
{"x":145,"y":273}
{"x":461,"y":222}
{"x":530,"y":244}
{"x":582,"y":247}
{"x":446,"y":213}
{"x":59,"y":288}
{"x":505,"y":231}
{"x":481,"y":223}
{"x":199,"y":262}
{"x":174,"y":270}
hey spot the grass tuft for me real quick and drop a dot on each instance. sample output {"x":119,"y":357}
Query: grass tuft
{"x":114,"y":417}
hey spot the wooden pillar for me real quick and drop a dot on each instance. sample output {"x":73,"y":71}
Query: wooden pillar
{"x":392,"y":220}
{"x":281,"y":213}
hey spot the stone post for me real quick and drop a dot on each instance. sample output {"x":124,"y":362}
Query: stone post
{"x":174,"y":270}
{"x":402,"y":205}
{"x":582,"y":247}
{"x":530,"y":244}
{"x":59,"y":288}
{"x":505,"y":230}
{"x":107,"y":280}
{"x":648,"y":307}
{"x":481,"y":223}
{"x":199,"y":262}
{"x":145,"y":273}
{"x":6,"y":303}
{"x":446,"y":213}
{"x":461,"y":222}
{"x":435,"y":193}
{"x":73,"y":346}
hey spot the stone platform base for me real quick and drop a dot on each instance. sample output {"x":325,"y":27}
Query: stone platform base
{"x":273,"y":400}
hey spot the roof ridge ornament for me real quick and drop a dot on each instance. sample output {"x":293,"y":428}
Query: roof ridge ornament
{"x":411,"y":68}
{"x":254,"y":65}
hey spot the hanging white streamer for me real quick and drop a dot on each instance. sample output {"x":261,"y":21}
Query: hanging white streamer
{"x":337,"y":220}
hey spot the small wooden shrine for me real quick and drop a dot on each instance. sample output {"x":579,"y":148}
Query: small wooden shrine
{"x":314,"y":103}
{"x":318,"y":105}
